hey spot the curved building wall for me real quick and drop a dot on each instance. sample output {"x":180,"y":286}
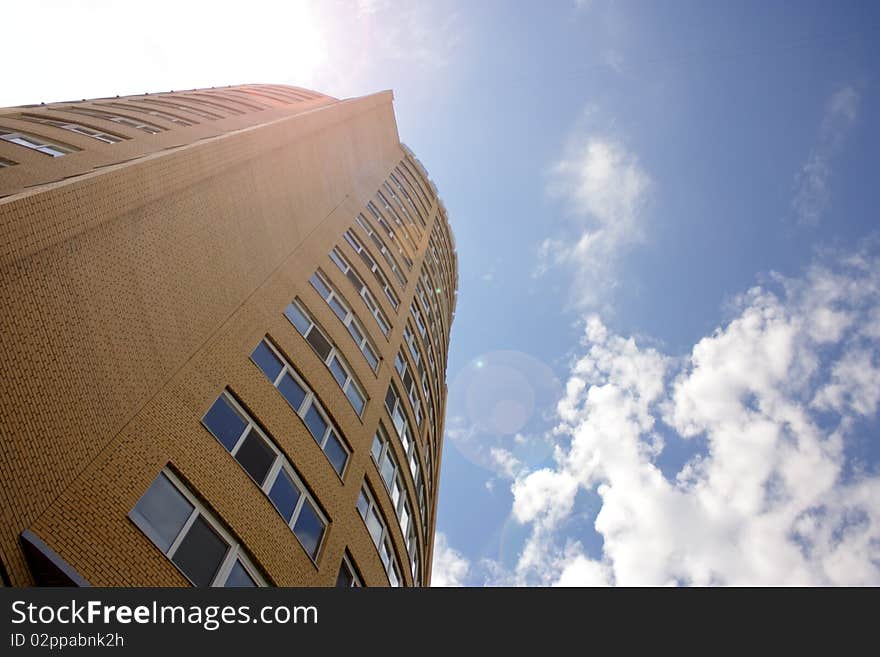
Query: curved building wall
{"x":242,"y":316}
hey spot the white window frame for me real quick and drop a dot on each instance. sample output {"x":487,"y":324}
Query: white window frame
{"x":280,"y":465}
{"x":351,"y":384}
{"x":308,"y":401}
{"x":348,"y":564}
{"x":349,"y":320}
{"x":363,"y":291}
{"x":234,"y":550}
{"x":392,"y":568}
{"x":36,"y":143}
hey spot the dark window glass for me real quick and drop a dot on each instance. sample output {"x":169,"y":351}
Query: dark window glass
{"x":200,"y":553}
{"x":355,"y":280}
{"x":309,"y":528}
{"x":390,"y":400}
{"x":284,"y":496}
{"x":336,"y":453}
{"x":296,"y":317}
{"x":255,"y":456}
{"x":355,"y":333}
{"x":267,"y":361}
{"x":291,"y":391}
{"x":224,"y":422}
{"x":319,"y":342}
{"x":370,"y":356}
{"x":238,"y":577}
{"x":161,"y":512}
{"x":338,"y":371}
{"x":345,"y":579}
{"x":316,"y":424}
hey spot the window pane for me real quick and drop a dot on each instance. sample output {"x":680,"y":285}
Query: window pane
{"x":238,"y":577}
{"x":200,"y":553}
{"x":284,"y":495}
{"x":355,"y":333}
{"x":377,"y":448}
{"x":387,"y":470}
{"x":336,"y":453}
{"x":345,"y":579}
{"x":319,"y":342}
{"x":255,"y":456}
{"x":356,"y":398}
{"x":309,"y":528}
{"x":363,"y":505}
{"x":355,"y":280}
{"x":374,"y":525}
{"x":291,"y":391}
{"x":161,"y":512}
{"x":338,"y":308}
{"x":224,"y":422}
{"x":318,"y":284}
{"x":390,"y":400}
{"x":296,"y":317}
{"x":338,"y":371}
{"x":370,"y":356}
{"x":316,"y":424}
{"x":267,"y":361}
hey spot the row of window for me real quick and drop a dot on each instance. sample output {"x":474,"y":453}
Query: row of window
{"x":386,"y":463}
{"x":328,"y":353}
{"x":406,"y":436}
{"x":264,"y":462}
{"x":303,"y":401}
{"x":343,"y":311}
{"x":365,"y":225}
{"x":363,"y":291}
{"x":373,"y":266}
{"x":378,"y":531}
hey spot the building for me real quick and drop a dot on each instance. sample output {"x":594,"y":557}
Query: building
{"x":225,"y":324}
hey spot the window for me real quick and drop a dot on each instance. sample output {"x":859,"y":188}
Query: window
{"x":340,"y":370}
{"x":151,"y":128}
{"x":348,"y":577}
{"x":191,"y":537}
{"x":397,"y":220}
{"x":106,"y":137}
{"x":373,"y":267}
{"x":340,"y":261}
{"x":269,"y":468}
{"x":341,"y":309}
{"x":407,"y":196}
{"x":380,"y":244}
{"x":36,"y":143}
{"x":303,"y":401}
{"x":378,"y":531}
{"x":180,"y":106}
{"x":383,"y":457}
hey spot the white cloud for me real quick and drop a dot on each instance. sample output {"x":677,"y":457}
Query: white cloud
{"x":773,"y":398}
{"x":605,"y":189}
{"x":812,"y":195}
{"x":449,"y":567}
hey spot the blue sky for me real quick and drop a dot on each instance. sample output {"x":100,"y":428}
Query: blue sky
{"x":665,"y":361}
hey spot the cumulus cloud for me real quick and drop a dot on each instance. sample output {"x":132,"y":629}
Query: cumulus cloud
{"x":774,"y":399}
{"x":604,"y":189}
{"x":449,"y":567}
{"x":812,"y":194}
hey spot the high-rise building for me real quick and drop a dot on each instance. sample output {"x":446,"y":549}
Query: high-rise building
{"x":225,"y":323}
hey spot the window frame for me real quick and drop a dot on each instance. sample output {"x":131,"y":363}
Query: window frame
{"x":341,"y":262}
{"x":37,"y":143}
{"x":373,"y":266}
{"x":392,"y":570}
